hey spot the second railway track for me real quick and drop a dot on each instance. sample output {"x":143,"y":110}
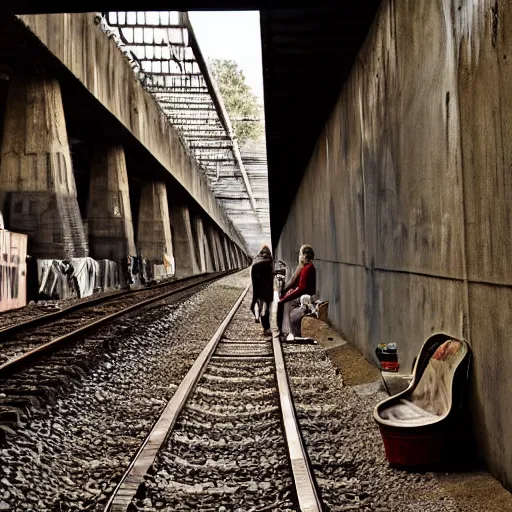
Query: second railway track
{"x":22,"y":343}
{"x":42,"y":361}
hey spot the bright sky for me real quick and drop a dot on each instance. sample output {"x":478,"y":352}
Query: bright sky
{"x":233,"y":35}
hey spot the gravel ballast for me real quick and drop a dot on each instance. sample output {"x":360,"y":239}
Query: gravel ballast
{"x":346,"y":450}
{"x":43,"y":307}
{"x":227,"y":451}
{"x":344,"y":443}
{"x":70,"y":454}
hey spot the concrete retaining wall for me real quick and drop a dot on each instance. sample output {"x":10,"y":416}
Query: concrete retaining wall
{"x":411,"y":182}
{"x":99,"y":64}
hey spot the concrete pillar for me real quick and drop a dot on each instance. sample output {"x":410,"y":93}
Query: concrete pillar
{"x":233,"y":254}
{"x":154,"y":227}
{"x":227,"y":252}
{"x":205,"y":255}
{"x":109,"y":215}
{"x":214,"y":248}
{"x":183,"y":242}
{"x":37,"y":185}
{"x":201,"y":249}
{"x":223,"y":250}
{"x":237,"y":256}
{"x":232,"y":246}
{"x":220,"y":250}
{"x":210,"y":266}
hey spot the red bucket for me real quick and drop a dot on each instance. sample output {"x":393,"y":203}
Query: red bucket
{"x":389,"y":366}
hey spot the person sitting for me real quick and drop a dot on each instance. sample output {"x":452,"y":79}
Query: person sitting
{"x":262,"y":277}
{"x":303,"y":282}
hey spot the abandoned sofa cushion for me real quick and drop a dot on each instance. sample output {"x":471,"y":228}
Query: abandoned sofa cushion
{"x":406,"y":413}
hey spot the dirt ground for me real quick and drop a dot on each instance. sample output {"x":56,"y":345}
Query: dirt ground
{"x":475,"y":491}
{"x":354,"y":368}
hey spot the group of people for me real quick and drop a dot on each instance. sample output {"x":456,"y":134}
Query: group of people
{"x":302,"y":282}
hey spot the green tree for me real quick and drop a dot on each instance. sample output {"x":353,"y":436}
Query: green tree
{"x":241,"y":103}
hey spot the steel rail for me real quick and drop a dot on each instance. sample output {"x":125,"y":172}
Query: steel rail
{"x":24,"y":360}
{"x":303,"y":477}
{"x":146,"y":455}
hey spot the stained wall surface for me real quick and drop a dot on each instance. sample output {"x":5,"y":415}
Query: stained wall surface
{"x":407,"y":199}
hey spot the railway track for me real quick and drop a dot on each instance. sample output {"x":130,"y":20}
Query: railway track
{"x":228,"y":439}
{"x":31,"y":311}
{"x":46,"y":355}
{"x":25,"y":342}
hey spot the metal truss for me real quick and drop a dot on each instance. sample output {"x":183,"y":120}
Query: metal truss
{"x":165,"y":56}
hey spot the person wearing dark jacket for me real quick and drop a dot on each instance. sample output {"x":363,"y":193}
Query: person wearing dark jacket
{"x":262,"y":277}
{"x":303,"y":282}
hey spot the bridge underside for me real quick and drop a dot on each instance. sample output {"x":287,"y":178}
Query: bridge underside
{"x":307,"y":56}
{"x":90,"y":168}
{"x":307,"y":53}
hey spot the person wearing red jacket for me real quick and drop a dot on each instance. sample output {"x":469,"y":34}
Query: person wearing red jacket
{"x":302,"y":282}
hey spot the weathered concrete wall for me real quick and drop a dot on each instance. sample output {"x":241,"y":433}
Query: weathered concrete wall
{"x":411,"y":182}
{"x":97,"y":62}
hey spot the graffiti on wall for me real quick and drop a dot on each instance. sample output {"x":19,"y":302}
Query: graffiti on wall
{"x":13,"y":270}
{"x":9,"y":281}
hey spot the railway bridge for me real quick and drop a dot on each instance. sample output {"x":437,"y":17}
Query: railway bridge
{"x":388,"y":142}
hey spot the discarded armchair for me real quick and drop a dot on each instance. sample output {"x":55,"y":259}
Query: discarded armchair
{"x":423,"y":425}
